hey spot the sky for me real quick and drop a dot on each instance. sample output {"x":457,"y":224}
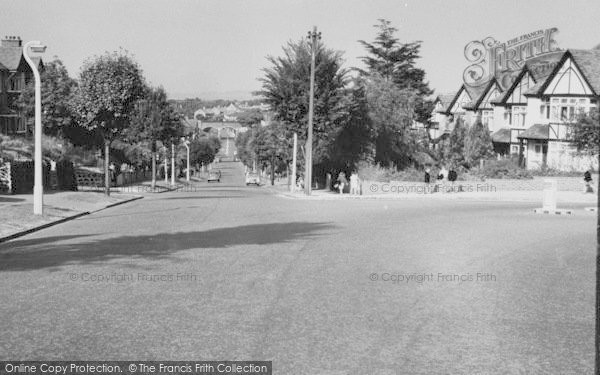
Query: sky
{"x":218,"y":48}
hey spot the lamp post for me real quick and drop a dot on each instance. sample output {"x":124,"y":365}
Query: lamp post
{"x":314,"y":37}
{"x":38,"y":185}
{"x":172,"y":163}
{"x":186,"y":143}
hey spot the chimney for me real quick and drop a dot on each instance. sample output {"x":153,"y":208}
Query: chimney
{"x":11,"y":41}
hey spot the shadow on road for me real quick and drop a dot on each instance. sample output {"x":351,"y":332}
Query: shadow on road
{"x":10,"y":200}
{"x":205,"y":197}
{"x":49,"y":252}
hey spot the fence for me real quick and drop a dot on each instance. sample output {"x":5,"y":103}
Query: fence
{"x":5,"y":180}
{"x":95,"y":180}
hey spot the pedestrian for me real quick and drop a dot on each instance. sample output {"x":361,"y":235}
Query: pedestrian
{"x":452,"y":176}
{"x":354,"y":184}
{"x":427,"y":179}
{"x":342,"y":182}
{"x":587,"y":179}
{"x":443,"y":175}
{"x":113,"y":173}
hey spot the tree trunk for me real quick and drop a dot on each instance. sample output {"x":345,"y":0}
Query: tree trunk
{"x":272,"y":171}
{"x":153,"y":170}
{"x":107,"y":177}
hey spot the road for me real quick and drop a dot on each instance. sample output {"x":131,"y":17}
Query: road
{"x":229,"y":272}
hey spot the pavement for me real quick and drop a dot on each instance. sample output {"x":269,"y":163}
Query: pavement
{"x":17,"y":218}
{"x":566,"y":198}
{"x":228,"y":272}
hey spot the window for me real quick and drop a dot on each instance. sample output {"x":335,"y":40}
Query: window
{"x":487,"y":117}
{"x":538,"y":148}
{"x":545,"y":109}
{"x":566,"y":110}
{"x":518,"y":116}
{"x":15,"y":82}
{"x":514,"y":149}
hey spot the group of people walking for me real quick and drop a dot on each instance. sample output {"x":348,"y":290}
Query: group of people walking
{"x":342,"y":182}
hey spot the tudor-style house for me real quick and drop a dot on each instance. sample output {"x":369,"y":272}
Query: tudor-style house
{"x":15,"y":73}
{"x":531,"y":117}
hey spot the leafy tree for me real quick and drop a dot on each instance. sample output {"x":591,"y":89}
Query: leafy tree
{"x":57,"y":90}
{"x":244,"y":147}
{"x":478,"y":144}
{"x":203,"y":150}
{"x":271,"y":147}
{"x":391,"y":112}
{"x":396,"y":62}
{"x":354,"y":141}
{"x":453,"y":150}
{"x":285,"y":87}
{"x":153,"y":120}
{"x":109,"y":87}
{"x":250,"y":117}
{"x":586,"y":133}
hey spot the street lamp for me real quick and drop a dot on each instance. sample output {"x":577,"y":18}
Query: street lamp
{"x":172,"y":163}
{"x":38,"y":185}
{"x":314,"y":37}
{"x":186,"y":143}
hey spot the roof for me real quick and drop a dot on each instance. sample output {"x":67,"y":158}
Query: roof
{"x":537,"y":131}
{"x":477,"y":94}
{"x":501,"y":136}
{"x":445,"y":100}
{"x":588,"y":62}
{"x":10,"y":57}
{"x":537,"y":64}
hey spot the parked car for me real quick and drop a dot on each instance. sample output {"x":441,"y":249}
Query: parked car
{"x":214,"y":176}
{"x":252,"y":178}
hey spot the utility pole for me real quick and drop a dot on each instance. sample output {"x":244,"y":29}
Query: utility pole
{"x":293,"y":186}
{"x":314,"y":37}
{"x":597,"y":341}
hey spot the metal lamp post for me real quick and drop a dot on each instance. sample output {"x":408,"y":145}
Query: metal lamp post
{"x":186,"y":143}
{"x":314,"y":37}
{"x":172,"y":163}
{"x":38,"y":185}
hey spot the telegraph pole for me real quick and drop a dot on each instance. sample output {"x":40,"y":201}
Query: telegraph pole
{"x":293,"y":185}
{"x":597,"y":340}
{"x":314,"y":38}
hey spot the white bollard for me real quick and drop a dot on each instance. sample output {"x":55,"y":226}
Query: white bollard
{"x":549,"y":196}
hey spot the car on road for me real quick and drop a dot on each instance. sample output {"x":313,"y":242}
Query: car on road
{"x":214,"y":176}
{"x":252,"y":179}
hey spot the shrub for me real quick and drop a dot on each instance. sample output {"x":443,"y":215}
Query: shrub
{"x":374,"y":172}
{"x":503,"y":168}
{"x":549,"y":172}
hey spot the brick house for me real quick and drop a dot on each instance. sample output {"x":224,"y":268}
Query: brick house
{"x":15,"y":74}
